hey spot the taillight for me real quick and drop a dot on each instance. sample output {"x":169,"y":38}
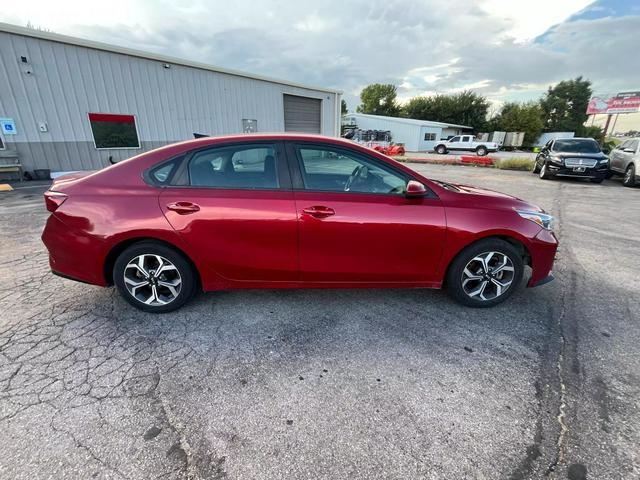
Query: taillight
{"x":53,"y":200}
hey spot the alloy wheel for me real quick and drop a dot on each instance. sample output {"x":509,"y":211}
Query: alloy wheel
{"x":152,"y":279}
{"x":629,"y":176}
{"x":488,"y":276}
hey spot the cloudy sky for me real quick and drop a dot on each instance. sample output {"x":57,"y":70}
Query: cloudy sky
{"x":505,"y":49}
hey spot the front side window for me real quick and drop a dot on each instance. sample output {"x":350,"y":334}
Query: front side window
{"x":114,"y":131}
{"x":245,"y":167}
{"x":455,"y":139}
{"x":339,"y":171}
{"x":633,"y":145}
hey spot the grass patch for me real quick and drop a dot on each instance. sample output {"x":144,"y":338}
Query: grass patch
{"x":515,"y":164}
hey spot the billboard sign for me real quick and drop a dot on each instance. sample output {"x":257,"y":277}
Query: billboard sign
{"x":623,"y":102}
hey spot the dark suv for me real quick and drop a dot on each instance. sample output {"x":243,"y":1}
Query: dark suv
{"x":572,"y":157}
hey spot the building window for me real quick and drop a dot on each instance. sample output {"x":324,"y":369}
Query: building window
{"x":429,"y":137}
{"x":114,"y":131}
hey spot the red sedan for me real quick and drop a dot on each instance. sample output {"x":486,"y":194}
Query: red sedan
{"x":287,"y":211}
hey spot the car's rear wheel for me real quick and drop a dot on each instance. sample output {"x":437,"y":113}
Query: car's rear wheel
{"x":441,"y":149}
{"x":629,"y":179}
{"x":485,"y":273}
{"x":481,"y":151}
{"x":154,"y":277}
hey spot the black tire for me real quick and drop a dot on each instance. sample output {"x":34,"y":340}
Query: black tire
{"x":441,"y":150}
{"x":187,"y":276}
{"x":536,"y":167}
{"x":544,"y":172}
{"x":481,"y":151}
{"x":454,"y":279}
{"x":630,"y":176}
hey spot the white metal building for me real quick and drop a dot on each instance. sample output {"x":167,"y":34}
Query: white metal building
{"x":70,"y":104}
{"x":417,"y":135}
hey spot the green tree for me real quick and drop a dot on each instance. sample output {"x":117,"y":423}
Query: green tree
{"x":343,"y":107}
{"x":464,"y":108}
{"x":520,"y":117}
{"x":379,"y":99}
{"x":565,"y":106}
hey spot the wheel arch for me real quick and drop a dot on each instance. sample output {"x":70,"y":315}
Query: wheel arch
{"x":513,"y":241}
{"x":121,"y":246}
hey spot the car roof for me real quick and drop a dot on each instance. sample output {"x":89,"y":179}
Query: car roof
{"x":250,"y":137}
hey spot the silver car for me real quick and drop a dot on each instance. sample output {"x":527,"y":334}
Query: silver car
{"x":625,"y":160}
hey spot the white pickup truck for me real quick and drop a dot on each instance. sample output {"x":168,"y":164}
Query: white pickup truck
{"x":467,"y":143}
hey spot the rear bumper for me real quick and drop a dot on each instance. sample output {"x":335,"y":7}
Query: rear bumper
{"x":542,"y":249}
{"x":74,"y":254}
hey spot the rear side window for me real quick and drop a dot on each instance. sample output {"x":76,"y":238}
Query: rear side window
{"x":246,"y":167}
{"x":163,"y":174}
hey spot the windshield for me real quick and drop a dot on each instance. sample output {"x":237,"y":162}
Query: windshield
{"x":576,"y":146}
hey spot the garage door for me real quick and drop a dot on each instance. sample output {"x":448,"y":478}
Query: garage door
{"x":302,"y":114}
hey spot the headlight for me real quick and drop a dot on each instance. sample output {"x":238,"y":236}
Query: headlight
{"x":542,"y":219}
{"x":556,"y":159}
{"x":604,"y":160}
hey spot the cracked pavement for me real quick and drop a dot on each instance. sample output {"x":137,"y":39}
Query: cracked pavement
{"x":337,"y":383}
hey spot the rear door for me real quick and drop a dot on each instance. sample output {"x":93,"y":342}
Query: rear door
{"x":356,"y":225}
{"x":233,"y":204}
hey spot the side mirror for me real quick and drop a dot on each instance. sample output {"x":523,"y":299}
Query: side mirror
{"x":415,"y":189}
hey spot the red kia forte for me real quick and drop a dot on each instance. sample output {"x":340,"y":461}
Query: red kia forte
{"x":288,"y":211}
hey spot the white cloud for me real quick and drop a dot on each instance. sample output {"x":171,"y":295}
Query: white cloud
{"x":424,"y":47}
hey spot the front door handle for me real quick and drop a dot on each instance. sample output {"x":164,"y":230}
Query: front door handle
{"x":183,"y":208}
{"x":319,"y":211}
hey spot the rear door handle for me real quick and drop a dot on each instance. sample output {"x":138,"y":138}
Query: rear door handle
{"x":183,"y":208}
{"x":319,"y":211}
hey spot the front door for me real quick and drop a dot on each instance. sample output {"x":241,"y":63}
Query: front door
{"x":356,"y":225}
{"x":236,"y":210}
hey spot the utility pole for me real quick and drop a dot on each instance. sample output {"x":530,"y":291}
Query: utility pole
{"x":606,"y":125}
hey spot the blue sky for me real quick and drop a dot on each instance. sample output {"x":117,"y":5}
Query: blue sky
{"x":504,"y":49}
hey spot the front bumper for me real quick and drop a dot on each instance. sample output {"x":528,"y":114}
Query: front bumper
{"x":542,"y":249}
{"x":599,"y":171}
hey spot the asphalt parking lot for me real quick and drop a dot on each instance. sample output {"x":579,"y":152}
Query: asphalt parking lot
{"x":332,"y":384}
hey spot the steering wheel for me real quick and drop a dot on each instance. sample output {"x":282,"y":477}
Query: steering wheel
{"x":358,"y":171}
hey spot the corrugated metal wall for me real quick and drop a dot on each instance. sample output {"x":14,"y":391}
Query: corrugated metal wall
{"x":66,"y":82}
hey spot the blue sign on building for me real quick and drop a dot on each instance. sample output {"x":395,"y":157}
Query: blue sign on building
{"x":8,"y":126}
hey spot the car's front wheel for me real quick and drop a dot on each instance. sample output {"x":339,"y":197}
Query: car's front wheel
{"x":441,"y":149}
{"x":544,"y":172}
{"x":630,"y":176}
{"x":485,"y":273}
{"x":154,"y":277}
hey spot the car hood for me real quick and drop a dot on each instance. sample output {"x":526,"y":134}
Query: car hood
{"x":598,"y":155}
{"x":483,"y":197}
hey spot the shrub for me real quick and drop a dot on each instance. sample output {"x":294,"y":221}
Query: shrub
{"x":515,"y":163}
